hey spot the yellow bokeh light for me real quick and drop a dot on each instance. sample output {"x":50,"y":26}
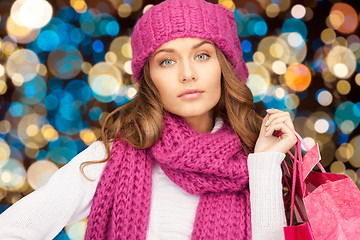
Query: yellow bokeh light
{"x":292,"y":101}
{"x":3,"y":87}
{"x":126,"y":50}
{"x":4,"y":151}
{"x":343,"y":87}
{"x":355,"y":159}
{"x":105,"y":79}
{"x":110,"y":57}
{"x":352,"y":174}
{"x":127,"y":67}
{"x":259,"y":57}
{"x":29,"y":131}
{"x":23,"y":62}
{"x":40,"y":172}
{"x":41,"y":70}
{"x":121,"y":46}
{"x":86,"y":67}
{"x":284,"y":5}
{"x":131,"y":92}
{"x":49,"y":132}
{"x":328,"y":36}
{"x":259,"y":80}
{"x":79,"y":6}
{"x":3,"y":192}
{"x":124,"y":10}
{"x":344,"y":152}
{"x":229,"y":4}
{"x":336,"y":18}
{"x":17,"y":79}
{"x":76,"y":230}
{"x":5,"y":126}
{"x":309,"y":141}
{"x":5,"y":177}
{"x":147,"y":7}
{"x":8,"y":47}
{"x":337,"y":167}
{"x":280,"y":93}
{"x":2,"y":70}
{"x":341,"y":62}
{"x":21,"y":34}
{"x":341,"y":70}
{"x":276,"y":50}
{"x":357,"y":79}
{"x":272,"y":10}
{"x":279,"y":67}
{"x":12,"y":175}
{"x":87,"y":136}
{"x":32,"y":130}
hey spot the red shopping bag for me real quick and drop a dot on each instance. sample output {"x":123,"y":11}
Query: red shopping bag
{"x":331,"y":202}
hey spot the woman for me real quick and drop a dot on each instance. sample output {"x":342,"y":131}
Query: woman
{"x":188,"y":157}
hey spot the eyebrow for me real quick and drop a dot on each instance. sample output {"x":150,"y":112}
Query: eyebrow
{"x":192,"y":48}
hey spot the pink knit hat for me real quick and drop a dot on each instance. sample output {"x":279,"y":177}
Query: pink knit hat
{"x":186,"y":18}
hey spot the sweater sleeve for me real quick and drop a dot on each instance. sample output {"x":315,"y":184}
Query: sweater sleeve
{"x":64,"y":200}
{"x":266,"y":196}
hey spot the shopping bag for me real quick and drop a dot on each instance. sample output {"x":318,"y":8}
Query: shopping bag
{"x":302,"y":230}
{"x":331,"y":202}
{"x":298,"y":232}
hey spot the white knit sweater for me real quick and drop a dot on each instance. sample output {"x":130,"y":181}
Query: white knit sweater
{"x":67,"y":198}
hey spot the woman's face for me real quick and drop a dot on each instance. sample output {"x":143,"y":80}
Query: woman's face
{"x":187,"y":74}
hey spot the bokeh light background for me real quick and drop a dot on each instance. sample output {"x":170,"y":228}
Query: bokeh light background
{"x":64,"y":65}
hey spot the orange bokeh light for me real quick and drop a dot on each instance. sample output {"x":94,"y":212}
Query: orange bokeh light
{"x":298,"y":77}
{"x":343,"y":18}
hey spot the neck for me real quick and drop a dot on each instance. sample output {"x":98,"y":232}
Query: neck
{"x":201,"y":124}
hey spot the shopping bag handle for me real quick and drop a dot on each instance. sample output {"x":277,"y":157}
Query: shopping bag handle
{"x":306,"y":147}
{"x":298,"y":163}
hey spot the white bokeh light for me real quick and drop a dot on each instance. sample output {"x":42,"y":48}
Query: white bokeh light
{"x":31,"y":13}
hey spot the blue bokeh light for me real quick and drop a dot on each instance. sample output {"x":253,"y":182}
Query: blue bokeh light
{"x":95,"y":113}
{"x":246,"y":46}
{"x":48,"y":40}
{"x":62,"y":150}
{"x":295,"y":25}
{"x":16,"y":109}
{"x":98,"y":46}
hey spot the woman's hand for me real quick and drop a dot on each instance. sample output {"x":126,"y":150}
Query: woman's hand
{"x":276,"y":120}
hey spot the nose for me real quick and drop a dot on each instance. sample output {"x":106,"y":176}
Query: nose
{"x":187,"y":72}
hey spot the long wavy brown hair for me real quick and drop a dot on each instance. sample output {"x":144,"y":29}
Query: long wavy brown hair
{"x":139,"y":122}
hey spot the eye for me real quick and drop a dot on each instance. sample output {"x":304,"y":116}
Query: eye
{"x":202,"y":56}
{"x":167,"y":62}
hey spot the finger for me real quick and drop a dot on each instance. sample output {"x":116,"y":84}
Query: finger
{"x":279,"y":127}
{"x":281,"y":114}
{"x":263,"y":126}
{"x":286,"y":141}
{"x":278,"y":115}
{"x":273,"y":110}
{"x":286,"y":119}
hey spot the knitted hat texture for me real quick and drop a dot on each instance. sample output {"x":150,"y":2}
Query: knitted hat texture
{"x":186,"y":18}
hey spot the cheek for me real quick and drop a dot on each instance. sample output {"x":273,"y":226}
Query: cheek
{"x":215,"y":77}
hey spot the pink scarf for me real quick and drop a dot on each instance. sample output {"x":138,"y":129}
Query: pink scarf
{"x":210,"y":164}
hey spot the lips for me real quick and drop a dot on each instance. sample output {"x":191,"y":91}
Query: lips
{"x":189,"y":92}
